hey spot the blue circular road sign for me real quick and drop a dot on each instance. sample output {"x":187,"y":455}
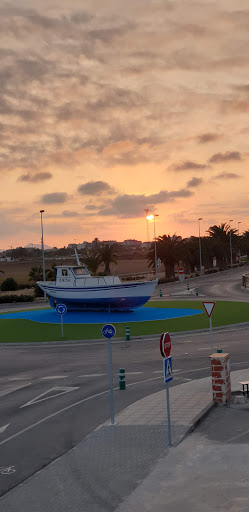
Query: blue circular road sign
{"x":108,"y":331}
{"x":61,"y":309}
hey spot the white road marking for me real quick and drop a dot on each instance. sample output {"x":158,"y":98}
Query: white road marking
{"x":2,"y":429}
{"x":187,"y":341}
{"x":53,"y":377}
{"x":30,"y":427}
{"x":92,"y":375}
{"x":60,"y":391}
{"x":204,"y":348}
{"x":11,"y":390}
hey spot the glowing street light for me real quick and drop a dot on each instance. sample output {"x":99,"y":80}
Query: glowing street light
{"x":43,"y":259}
{"x":153,"y":217}
{"x":199,"y":221}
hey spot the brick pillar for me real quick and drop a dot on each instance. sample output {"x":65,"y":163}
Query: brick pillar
{"x":221,"y":384}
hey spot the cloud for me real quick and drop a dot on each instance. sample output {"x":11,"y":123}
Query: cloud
{"x":225,"y":157}
{"x":91,"y":207}
{"x":132,"y":205}
{"x":95,"y":188}
{"x":194,"y":182}
{"x":227,"y":176}
{"x":34,"y":178}
{"x":205,"y":138}
{"x":188,"y":165}
{"x":67,"y":213}
{"x":54,"y":198}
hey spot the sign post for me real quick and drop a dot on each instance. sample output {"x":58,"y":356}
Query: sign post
{"x":209,"y":306}
{"x":165,"y":348}
{"x":181,"y":274}
{"x":61,"y":310}
{"x":108,"y":331}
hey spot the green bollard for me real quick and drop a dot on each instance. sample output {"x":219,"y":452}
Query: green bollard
{"x":196,"y":291}
{"x":219,"y":350}
{"x":161,"y":293}
{"x":121,"y":378}
{"x":188,"y":287}
{"x":127,"y":333}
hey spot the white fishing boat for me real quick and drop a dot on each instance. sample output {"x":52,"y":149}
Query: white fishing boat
{"x":77,"y":289}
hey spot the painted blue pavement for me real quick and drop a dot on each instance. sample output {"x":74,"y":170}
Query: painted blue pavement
{"x":143,"y":314}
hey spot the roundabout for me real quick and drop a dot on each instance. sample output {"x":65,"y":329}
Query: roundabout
{"x":154,"y":318}
{"x":142,"y":314}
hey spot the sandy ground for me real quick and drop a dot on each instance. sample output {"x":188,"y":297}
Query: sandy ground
{"x":19,"y":270}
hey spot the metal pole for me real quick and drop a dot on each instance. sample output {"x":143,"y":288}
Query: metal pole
{"x":239,"y":240}
{"x":155,"y":246}
{"x":62,"y":326}
{"x":231,"y":250}
{"x":43,"y":258}
{"x":168,"y":414}
{"x":211,"y":334}
{"x":200,"y":245}
{"x":110,"y":380}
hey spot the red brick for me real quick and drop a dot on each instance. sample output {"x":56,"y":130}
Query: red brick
{"x":219,"y":381}
{"x":217,"y":368}
{"x":218,"y":395}
{"x":215,"y":361}
{"x":217,"y":388}
{"x":216,"y":375}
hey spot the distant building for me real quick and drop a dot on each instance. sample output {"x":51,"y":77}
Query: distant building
{"x":135,"y":244}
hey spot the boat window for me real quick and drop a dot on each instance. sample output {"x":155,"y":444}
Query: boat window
{"x":64,"y":272}
{"x":78,"y":271}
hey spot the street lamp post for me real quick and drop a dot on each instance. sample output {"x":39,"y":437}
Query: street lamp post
{"x":151,"y":217}
{"x":231,"y":249}
{"x":43,"y":259}
{"x":239,"y":222}
{"x":199,"y":221}
{"x":147,"y":214}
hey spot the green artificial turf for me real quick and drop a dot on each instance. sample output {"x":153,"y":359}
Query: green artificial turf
{"x":224,"y":313}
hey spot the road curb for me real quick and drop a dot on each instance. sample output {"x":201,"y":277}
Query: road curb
{"x":197,"y":420}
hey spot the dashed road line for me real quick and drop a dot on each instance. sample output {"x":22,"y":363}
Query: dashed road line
{"x":53,"y":377}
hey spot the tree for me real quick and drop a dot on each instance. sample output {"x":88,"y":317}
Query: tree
{"x":9,"y":284}
{"x":108,"y":255}
{"x":36,"y":274}
{"x":245,"y":243}
{"x":168,"y":250}
{"x":92,"y":261}
{"x":220,"y":240}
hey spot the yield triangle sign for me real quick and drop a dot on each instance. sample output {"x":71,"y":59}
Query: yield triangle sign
{"x":209,"y":306}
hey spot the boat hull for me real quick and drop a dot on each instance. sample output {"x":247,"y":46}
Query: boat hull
{"x":122,"y":297}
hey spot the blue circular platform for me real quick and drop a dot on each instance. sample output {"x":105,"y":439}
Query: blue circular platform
{"x":143,"y":314}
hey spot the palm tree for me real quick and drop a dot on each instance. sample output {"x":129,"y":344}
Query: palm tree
{"x":92,"y":261}
{"x":220,"y":239}
{"x":169,"y":252}
{"x":35,"y":274}
{"x":108,"y":255}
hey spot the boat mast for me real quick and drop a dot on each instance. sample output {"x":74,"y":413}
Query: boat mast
{"x":77,"y":257}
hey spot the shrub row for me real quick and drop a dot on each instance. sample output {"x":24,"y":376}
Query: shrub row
{"x":15,"y":298}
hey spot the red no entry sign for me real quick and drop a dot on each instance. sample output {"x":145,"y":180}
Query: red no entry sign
{"x":181,"y":270}
{"x":165,"y":344}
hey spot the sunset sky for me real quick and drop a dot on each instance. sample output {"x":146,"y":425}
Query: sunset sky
{"x":109,"y":107}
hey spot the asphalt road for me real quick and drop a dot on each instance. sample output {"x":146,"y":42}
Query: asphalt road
{"x":53,"y":396}
{"x":225,"y":285}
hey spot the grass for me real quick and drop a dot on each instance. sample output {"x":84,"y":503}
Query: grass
{"x":224,"y":313}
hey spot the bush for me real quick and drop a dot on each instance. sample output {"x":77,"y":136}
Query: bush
{"x":15,"y":298}
{"x":9,"y":284}
{"x":23,"y":286}
{"x":38,"y":291}
{"x":167,"y":280}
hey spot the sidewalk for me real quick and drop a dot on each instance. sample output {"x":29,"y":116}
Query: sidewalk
{"x":104,"y":472}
